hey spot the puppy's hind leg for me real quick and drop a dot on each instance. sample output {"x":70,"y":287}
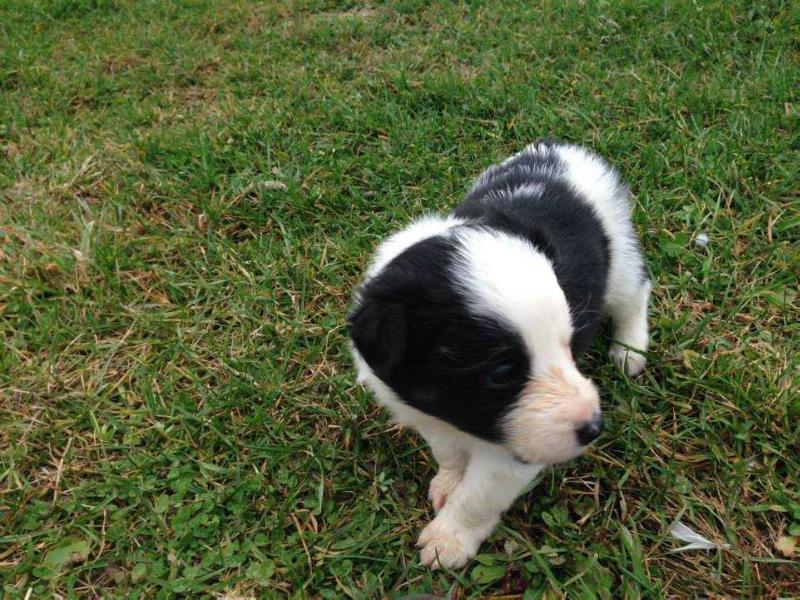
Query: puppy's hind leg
{"x":631,"y":338}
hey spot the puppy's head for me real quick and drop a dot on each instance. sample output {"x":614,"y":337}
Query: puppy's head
{"x":472,"y":327}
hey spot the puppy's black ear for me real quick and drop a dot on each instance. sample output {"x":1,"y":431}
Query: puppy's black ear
{"x":380,"y":333}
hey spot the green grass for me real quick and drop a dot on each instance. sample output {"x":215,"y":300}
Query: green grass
{"x":188,"y":193}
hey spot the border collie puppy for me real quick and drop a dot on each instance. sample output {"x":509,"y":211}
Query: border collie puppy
{"x":467,"y":328}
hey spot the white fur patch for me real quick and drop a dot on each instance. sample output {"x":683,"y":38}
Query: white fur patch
{"x":506,"y":277}
{"x":530,"y":190}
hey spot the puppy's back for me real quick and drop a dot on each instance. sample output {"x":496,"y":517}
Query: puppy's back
{"x":540,"y":194}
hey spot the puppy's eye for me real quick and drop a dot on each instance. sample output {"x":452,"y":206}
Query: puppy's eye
{"x":445,"y":350}
{"x":502,"y":375}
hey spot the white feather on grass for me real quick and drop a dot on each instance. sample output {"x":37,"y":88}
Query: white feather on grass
{"x":696,"y":541}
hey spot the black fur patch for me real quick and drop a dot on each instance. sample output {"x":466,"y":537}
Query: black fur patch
{"x":415,"y":332}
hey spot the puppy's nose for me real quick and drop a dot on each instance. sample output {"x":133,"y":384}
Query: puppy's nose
{"x":588,"y":431}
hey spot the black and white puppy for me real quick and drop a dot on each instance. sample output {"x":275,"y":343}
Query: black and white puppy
{"x":467,"y":328}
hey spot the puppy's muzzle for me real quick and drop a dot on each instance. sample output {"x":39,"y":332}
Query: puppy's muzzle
{"x":555,"y":418}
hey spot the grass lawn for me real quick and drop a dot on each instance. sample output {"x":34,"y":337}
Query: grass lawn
{"x":190,"y":190}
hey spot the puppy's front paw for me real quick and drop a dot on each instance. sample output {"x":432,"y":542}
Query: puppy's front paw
{"x":630,"y":361}
{"x":442,"y":485}
{"x":444,"y":544}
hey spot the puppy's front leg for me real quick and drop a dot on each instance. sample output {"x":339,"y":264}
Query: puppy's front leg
{"x":452,"y":458}
{"x":491,"y":482}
